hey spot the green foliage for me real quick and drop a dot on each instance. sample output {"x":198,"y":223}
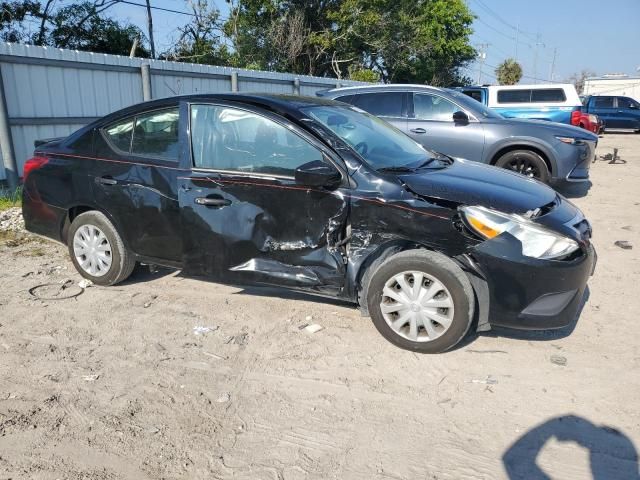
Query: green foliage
{"x":10,"y":198}
{"x":423,"y":41}
{"x":79,"y":26}
{"x":509,"y":72}
{"x":420,"y":41}
{"x":364,"y":75}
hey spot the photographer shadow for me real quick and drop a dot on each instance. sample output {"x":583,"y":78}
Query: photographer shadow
{"x":612,"y":455}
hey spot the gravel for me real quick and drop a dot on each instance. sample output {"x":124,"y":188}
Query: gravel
{"x":11,"y":219}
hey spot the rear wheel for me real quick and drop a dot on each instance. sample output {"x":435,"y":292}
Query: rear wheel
{"x":420,"y":301}
{"x":97,"y":250}
{"x":525,"y":162}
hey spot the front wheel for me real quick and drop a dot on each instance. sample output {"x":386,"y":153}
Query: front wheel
{"x":97,"y":250}
{"x":525,"y":162}
{"x":420,"y":301}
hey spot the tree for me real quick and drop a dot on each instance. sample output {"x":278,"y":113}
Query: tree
{"x":508,"y":72}
{"x":423,"y":41}
{"x":578,"y":79}
{"x":80,"y":26}
{"x":200,"y":41}
{"x":13,"y":17}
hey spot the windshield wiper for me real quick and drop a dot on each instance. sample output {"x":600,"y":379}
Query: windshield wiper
{"x":441,"y":158}
{"x":397,"y":168}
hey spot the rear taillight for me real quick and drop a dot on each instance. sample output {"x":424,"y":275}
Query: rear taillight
{"x":575,"y":117}
{"x":33,"y":164}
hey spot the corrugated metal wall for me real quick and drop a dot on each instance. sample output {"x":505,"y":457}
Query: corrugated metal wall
{"x":52,"y":92}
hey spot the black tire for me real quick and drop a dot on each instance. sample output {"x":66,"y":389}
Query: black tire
{"x":526,"y":162}
{"x":122,"y":261}
{"x":442,"y":268}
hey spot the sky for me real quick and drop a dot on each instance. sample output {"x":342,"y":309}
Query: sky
{"x":595,"y":35}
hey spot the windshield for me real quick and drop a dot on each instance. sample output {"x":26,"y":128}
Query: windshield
{"x":475,"y":107}
{"x":380,"y":144}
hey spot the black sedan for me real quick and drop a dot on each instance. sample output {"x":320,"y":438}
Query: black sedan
{"x":318,"y":196}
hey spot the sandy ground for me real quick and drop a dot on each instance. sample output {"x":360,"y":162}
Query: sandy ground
{"x":120,"y":383}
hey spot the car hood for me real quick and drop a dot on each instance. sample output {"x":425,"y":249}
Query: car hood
{"x":470,"y":183}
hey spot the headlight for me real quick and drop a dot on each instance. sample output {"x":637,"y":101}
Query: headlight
{"x":537,"y":241}
{"x":570,"y":140}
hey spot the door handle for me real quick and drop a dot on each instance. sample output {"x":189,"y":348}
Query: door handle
{"x":418,"y":130}
{"x":106,"y":180}
{"x":212,"y":202}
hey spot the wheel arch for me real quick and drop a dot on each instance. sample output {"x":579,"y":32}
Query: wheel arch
{"x":546,"y":155}
{"x":374,"y":259}
{"x":75,"y":210}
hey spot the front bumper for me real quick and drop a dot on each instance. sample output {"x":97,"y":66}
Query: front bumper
{"x":586,"y":153}
{"x":528,"y":293}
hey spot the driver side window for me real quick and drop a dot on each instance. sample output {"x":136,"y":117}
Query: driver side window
{"x":433,"y":107}
{"x":224,"y":138}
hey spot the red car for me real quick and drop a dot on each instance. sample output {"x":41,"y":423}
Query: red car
{"x":588,"y":121}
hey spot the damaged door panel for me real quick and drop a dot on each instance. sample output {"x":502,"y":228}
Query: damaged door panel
{"x":244,"y":216}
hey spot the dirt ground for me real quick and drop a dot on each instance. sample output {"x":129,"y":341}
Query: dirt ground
{"x":176,"y":378}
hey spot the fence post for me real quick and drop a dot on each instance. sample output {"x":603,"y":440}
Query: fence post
{"x":6,"y":142}
{"x":234,"y":81}
{"x":145,"y":71}
{"x":296,"y":86}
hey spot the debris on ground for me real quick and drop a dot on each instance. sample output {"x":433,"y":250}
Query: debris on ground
{"x":627,"y":227}
{"x":202,"y":330}
{"x":56,"y":291}
{"x":11,"y":220}
{"x":91,"y":378}
{"x":559,"y":360}
{"x":313,"y":328}
{"x":625,"y":245}
{"x":224,"y":398}
{"x":487,"y":381}
{"x":85,"y":283}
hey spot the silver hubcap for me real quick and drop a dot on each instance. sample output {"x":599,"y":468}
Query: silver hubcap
{"x":92,"y":250}
{"x":417,"y":306}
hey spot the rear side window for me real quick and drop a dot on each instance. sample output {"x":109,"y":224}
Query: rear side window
{"x":119,"y":134}
{"x":548,"y":95}
{"x":156,"y":134}
{"x":383,"y":104}
{"x":527,"y":95}
{"x":603,"y":102}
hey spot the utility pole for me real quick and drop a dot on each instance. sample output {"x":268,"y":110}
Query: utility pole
{"x":553,"y":65}
{"x":150,"y":27}
{"x":535,"y":58}
{"x":482,"y":55}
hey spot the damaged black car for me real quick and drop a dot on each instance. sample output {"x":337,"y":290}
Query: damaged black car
{"x":318,"y":196}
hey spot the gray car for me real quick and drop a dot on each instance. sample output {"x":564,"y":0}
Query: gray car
{"x":452,"y":123}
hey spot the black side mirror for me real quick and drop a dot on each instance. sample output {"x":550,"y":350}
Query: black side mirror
{"x":460,"y":117}
{"x":318,"y":174}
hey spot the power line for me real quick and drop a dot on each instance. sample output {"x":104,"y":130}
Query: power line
{"x":157,"y":8}
{"x":500,"y":19}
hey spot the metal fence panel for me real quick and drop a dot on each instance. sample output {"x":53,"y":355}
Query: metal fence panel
{"x":52,"y":92}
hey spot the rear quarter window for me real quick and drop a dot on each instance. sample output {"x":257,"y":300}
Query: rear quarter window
{"x":527,"y":95}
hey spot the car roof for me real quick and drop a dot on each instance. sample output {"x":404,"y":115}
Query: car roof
{"x":385,"y":86}
{"x":279,"y":103}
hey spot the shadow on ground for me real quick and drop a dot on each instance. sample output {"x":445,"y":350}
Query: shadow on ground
{"x":612,"y":455}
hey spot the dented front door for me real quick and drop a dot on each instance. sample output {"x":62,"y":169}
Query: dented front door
{"x":244,"y":218}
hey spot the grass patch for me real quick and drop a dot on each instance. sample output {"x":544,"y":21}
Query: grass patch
{"x":10,"y":198}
